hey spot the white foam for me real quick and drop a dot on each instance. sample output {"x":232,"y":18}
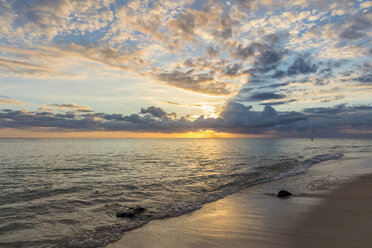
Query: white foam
{"x":113,"y":233}
{"x":303,"y":167}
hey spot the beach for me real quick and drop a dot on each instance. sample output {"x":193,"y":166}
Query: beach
{"x":87,"y":193}
{"x":176,"y":124}
{"x":330,"y":207}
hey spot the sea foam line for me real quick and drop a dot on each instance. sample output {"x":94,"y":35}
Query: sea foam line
{"x":113,"y":233}
{"x":304,"y":167}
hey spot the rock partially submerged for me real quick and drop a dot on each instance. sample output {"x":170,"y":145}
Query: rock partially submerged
{"x":130,"y":213}
{"x":283,"y":194}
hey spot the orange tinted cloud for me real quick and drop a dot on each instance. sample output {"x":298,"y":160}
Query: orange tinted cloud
{"x":16,"y":133}
{"x":10,"y":101}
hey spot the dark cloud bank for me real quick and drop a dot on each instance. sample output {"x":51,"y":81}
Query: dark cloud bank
{"x":338,"y":121}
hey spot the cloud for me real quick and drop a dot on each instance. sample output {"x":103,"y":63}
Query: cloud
{"x":184,"y":105}
{"x":10,"y":101}
{"x":197,"y":82}
{"x":131,"y":19}
{"x":272,"y":103}
{"x":173,"y":103}
{"x":302,"y":65}
{"x":267,"y":54}
{"x":271,"y":50}
{"x":155,"y":112}
{"x":214,"y":21}
{"x":185,"y":24}
{"x":278,"y":74}
{"x":357,"y":27}
{"x":367,"y":78}
{"x":215,"y":77}
{"x":232,"y":70}
{"x":235,"y":118}
{"x":50,"y":61}
{"x":324,"y":122}
{"x":213,"y":52}
{"x":200,"y":63}
{"x":243,"y":119}
{"x":247,"y":4}
{"x":363,"y":73}
{"x":44,"y":20}
{"x":253,"y":4}
{"x":260,"y":96}
{"x":268,"y":59}
{"x":128,"y":59}
{"x":70,"y":106}
{"x":338,"y":109}
{"x":333,"y":98}
{"x":24,"y":68}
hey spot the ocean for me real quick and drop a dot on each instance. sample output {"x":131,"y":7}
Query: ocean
{"x":67,"y":192}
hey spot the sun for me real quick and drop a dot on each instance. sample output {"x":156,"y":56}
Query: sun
{"x":210,"y":112}
{"x":205,"y":134}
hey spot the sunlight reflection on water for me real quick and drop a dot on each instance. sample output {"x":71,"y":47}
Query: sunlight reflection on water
{"x":58,"y":189}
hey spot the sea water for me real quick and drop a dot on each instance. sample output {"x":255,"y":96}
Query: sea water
{"x":66,"y":192}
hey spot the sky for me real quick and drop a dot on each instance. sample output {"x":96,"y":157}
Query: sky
{"x":197,"y":69}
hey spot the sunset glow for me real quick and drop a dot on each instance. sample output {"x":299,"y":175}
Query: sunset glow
{"x":241,"y":68}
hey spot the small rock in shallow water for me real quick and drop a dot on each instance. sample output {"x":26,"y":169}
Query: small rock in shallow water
{"x":131,"y":213}
{"x":138,"y":210}
{"x":283,"y":193}
{"x":124,"y":215}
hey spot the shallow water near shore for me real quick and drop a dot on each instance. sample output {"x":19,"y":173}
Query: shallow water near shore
{"x":66,"y":192}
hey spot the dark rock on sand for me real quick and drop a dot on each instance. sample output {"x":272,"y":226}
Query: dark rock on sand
{"x":125,"y":215}
{"x":130,"y":213}
{"x":283,"y":193}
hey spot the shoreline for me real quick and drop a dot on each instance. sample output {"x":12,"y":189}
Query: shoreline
{"x":253,"y":217}
{"x":343,"y":219}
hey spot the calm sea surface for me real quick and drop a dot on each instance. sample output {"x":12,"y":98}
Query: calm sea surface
{"x":66,"y":192}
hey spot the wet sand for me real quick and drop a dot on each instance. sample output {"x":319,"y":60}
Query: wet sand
{"x":344,"y":219}
{"x":331,"y":207}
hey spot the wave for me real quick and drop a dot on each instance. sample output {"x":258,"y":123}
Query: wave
{"x":105,"y":235}
{"x":304,"y":166}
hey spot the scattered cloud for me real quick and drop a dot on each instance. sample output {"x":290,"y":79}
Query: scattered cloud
{"x":356,"y":27}
{"x":235,"y":118}
{"x":10,"y":101}
{"x":259,"y":96}
{"x":272,"y":103}
{"x":302,"y":65}
{"x":70,"y":106}
{"x":213,"y":51}
{"x":198,"y":82}
{"x":154,"y":111}
{"x":268,"y":53}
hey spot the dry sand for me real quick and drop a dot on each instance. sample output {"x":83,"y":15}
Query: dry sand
{"x":331,"y":207}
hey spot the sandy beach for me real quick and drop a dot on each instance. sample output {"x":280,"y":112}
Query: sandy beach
{"x":344,"y":219}
{"x":330,"y":207}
